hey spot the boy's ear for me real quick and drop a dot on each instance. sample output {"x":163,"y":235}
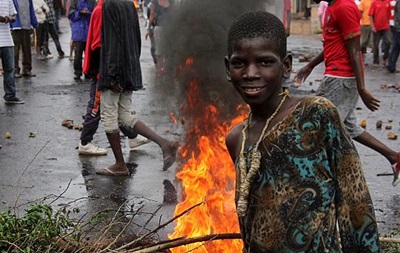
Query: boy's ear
{"x":228,"y":72}
{"x":287,"y":65}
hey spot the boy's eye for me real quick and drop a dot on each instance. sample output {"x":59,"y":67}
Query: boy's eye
{"x":236,"y":63}
{"x":266,"y":62}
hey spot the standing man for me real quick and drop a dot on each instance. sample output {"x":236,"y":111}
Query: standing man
{"x":58,"y":7}
{"x":7,"y":16}
{"x":395,"y":50}
{"x":366,"y":30}
{"x":343,"y":80}
{"x":21,"y":30}
{"x":379,"y":14}
{"x":79,"y":13}
{"x":51,"y":29}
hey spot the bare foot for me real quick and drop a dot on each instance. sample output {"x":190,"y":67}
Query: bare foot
{"x":169,"y":151}
{"x":114,"y":170}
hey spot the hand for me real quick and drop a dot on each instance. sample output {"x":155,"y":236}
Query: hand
{"x":3,"y":19}
{"x":148,"y":33}
{"x":301,"y":76}
{"x":116,"y":87}
{"x":370,"y":101}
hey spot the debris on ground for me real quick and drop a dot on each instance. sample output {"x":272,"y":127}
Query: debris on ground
{"x":68,"y":123}
{"x":392,"y":136}
{"x":363,"y":123}
{"x":7,"y":135}
{"x":379,"y":124}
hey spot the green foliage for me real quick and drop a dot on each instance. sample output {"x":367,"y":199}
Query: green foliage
{"x":35,"y":231}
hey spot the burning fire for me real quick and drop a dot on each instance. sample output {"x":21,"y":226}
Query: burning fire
{"x":207,"y":176}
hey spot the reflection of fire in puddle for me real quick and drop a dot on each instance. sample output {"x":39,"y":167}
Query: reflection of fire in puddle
{"x":207,"y":176}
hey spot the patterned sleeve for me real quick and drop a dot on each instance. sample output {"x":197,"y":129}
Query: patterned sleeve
{"x":354,"y":207}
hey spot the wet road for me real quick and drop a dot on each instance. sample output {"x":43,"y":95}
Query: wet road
{"x":47,"y":165}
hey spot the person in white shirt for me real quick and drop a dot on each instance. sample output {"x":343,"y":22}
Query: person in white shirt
{"x":7,"y":16}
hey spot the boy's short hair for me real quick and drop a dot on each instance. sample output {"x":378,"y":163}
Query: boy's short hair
{"x":258,"y":24}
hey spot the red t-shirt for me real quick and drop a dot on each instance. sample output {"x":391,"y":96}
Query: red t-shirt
{"x":380,"y":11}
{"x":342,"y":22}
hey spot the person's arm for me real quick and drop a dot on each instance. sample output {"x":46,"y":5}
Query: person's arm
{"x":305,"y":71}
{"x":354,"y":207}
{"x":353,"y":46}
{"x":151,"y":20}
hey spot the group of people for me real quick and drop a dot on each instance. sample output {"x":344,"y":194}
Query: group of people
{"x":18,"y":20}
{"x":300,"y":185}
{"x":48,"y":23}
{"x":112,"y":53}
{"x":380,"y":29}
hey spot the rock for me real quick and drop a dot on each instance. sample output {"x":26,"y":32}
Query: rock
{"x":379,"y":124}
{"x":363,"y":123}
{"x":392,"y":136}
{"x":8,"y":135}
{"x":388,"y":127}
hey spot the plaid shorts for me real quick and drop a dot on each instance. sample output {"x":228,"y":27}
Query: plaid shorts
{"x":343,"y":93}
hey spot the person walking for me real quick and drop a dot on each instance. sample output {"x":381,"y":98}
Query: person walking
{"x":120,"y":75}
{"x":91,"y":68}
{"x":51,"y":29}
{"x":41,"y":8}
{"x":366,"y":30}
{"x":343,"y":82}
{"x":395,"y":50}
{"x":7,"y":16}
{"x":379,"y":13}
{"x":79,"y":15}
{"x":159,"y":13}
{"x":21,"y":30}
{"x":58,"y":9}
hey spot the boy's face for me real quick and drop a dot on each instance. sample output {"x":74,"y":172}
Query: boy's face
{"x":256,"y":69}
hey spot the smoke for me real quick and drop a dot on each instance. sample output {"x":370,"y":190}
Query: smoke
{"x":197,"y":30}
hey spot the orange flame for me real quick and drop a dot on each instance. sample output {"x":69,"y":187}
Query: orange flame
{"x":209,"y":176}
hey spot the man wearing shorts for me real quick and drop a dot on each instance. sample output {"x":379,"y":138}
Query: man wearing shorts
{"x":343,"y":79}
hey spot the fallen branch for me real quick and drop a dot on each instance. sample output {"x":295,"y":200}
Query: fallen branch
{"x":184,"y":241}
{"x":389,"y":240}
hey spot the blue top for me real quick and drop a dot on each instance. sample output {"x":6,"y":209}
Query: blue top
{"x":80,"y":22}
{"x":16,"y":25}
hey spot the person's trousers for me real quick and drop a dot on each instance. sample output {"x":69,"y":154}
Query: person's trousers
{"x":40,"y":37}
{"x":92,"y":117}
{"x":57,"y":15}
{"x":395,"y":50}
{"x":79,"y":48}
{"x":385,"y":36}
{"x":7,"y":60}
{"x":54,"y":35}
{"x":22,"y":41}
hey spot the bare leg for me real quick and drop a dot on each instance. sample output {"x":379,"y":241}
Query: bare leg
{"x":370,"y":141}
{"x":119,"y":168}
{"x":168,"y":148}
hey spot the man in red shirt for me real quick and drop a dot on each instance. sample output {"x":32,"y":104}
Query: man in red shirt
{"x":379,"y":13}
{"x":343,"y":80}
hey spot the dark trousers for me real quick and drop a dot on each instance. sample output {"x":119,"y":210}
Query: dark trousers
{"x":385,"y":36}
{"x":54,"y":35}
{"x":92,"y":117}
{"x":79,"y":48}
{"x":22,"y":41}
{"x":395,"y":50}
{"x":40,"y":37}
